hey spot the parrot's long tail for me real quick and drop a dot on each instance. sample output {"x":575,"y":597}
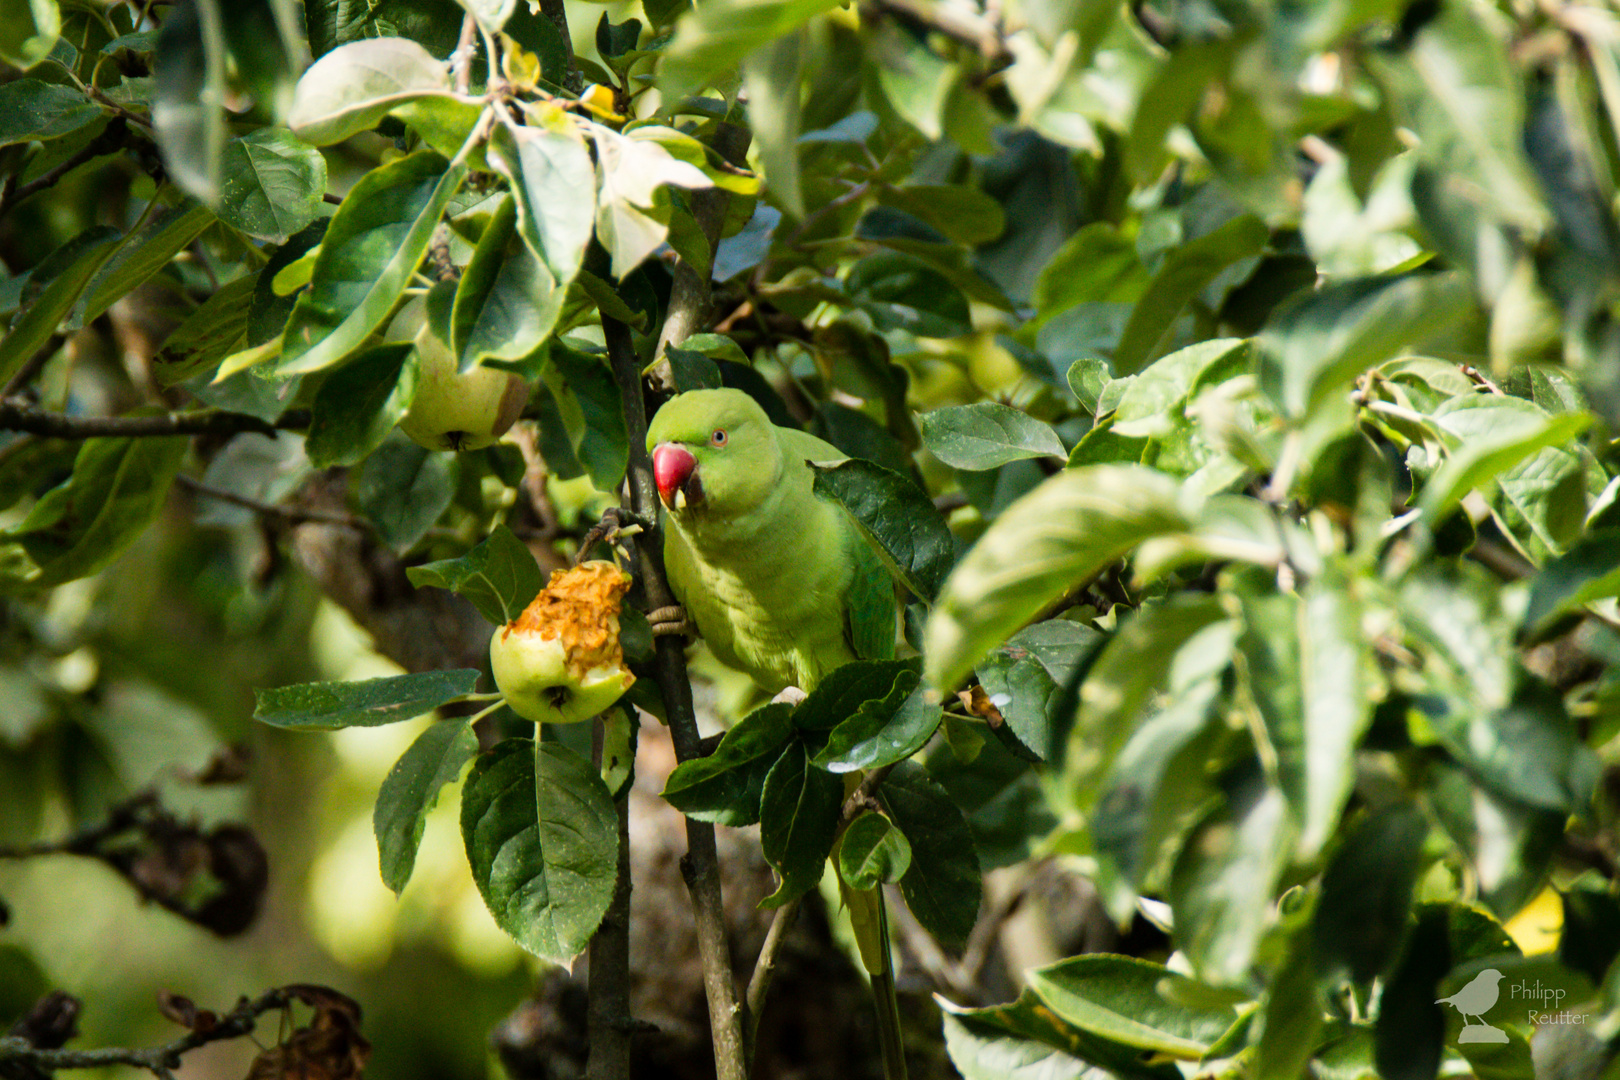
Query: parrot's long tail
{"x":869,"y":919}
{"x":888,"y":1003}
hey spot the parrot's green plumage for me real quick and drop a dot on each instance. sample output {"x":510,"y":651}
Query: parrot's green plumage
{"x":777,"y":580}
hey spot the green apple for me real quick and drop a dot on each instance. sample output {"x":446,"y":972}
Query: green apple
{"x":454,"y":410}
{"x":560,"y":661}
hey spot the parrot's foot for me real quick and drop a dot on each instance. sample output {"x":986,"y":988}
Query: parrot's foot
{"x":789,"y":695}
{"x":617,"y":524}
{"x":671,"y":621}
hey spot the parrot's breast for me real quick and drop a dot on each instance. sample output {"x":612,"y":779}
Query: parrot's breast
{"x":770,"y":603}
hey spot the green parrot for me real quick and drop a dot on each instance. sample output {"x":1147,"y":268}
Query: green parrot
{"x":776,"y":580}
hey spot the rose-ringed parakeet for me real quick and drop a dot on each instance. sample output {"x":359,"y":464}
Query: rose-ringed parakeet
{"x":777,"y":580}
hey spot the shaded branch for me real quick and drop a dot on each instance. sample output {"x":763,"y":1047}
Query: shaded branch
{"x":975,"y":31}
{"x":291,"y":515}
{"x":15,"y":417}
{"x":700,"y":865}
{"x":607,"y":1017}
{"x":689,"y":295}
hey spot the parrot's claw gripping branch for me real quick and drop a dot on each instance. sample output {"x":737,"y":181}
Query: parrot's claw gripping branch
{"x":617,"y":525}
{"x":671,"y":620}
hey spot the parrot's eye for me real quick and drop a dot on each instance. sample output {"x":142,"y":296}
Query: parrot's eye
{"x":718,"y":437}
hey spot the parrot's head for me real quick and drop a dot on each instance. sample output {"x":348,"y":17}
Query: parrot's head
{"x":713,"y":451}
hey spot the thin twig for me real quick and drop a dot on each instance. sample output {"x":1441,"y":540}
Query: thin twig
{"x":292,"y":515}
{"x":759,"y":985}
{"x":461,"y":60}
{"x":15,"y":417}
{"x":700,"y":866}
{"x":157,"y":1060}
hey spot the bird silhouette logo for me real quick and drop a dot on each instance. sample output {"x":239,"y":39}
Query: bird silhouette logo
{"x":1473,"y":1002}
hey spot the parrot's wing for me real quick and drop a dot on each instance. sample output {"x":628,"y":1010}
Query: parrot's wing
{"x":869,"y":610}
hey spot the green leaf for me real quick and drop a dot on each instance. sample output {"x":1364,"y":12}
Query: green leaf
{"x":363,"y":703}
{"x":1488,"y":434}
{"x":1291,"y":1017}
{"x":499,"y":576}
{"x":883,"y":730}
{"x":1186,"y":270}
{"x":1366,"y":901}
{"x":376,"y":240}
{"x":1409,"y":1040}
{"x":1154,"y":402}
{"x":1223,"y":884}
{"x":1068,"y":529}
{"x":986,"y":435}
{"x":872,"y":852}
{"x":798,"y":822}
{"x":692,"y":370}
{"x":409,"y":792}
{"x":28,"y":32}
{"x":213,"y":330}
{"x":554,"y":184}
{"x":1588,"y":572}
{"x":943,"y":885}
{"x":351,"y":88}
{"x":117,"y":489}
{"x":359,"y":404}
{"x":1026,"y":1040}
{"x":542,"y":839}
{"x":629,"y":171}
{"x":1458,"y":85}
{"x":588,"y":399}
{"x":715,"y":37}
{"x":1316,"y":346}
{"x":1095,"y":265}
{"x":331,"y":23}
{"x":725,"y":787}
{"x":188,"y":105}
{"x":1159,"y":786}
{"x":839,"y":695}
{"x":1023,"y":692}
{"x":31,"y":110}
{"x":964,"y":214}
{"x":900,"y":291}
{"x":1132,"y":1002}
{"x":404,"y":488}
{"x":507,"y":301}
{"x":895,"y":517}
{"x":771,"y":80}
{"x":271,"y":184}
{"x":141,"y":255}
{"x":1311,"y":673}
{"x":65,"y":272}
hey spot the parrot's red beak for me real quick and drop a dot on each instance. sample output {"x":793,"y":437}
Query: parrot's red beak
{"x":673,"y":465}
